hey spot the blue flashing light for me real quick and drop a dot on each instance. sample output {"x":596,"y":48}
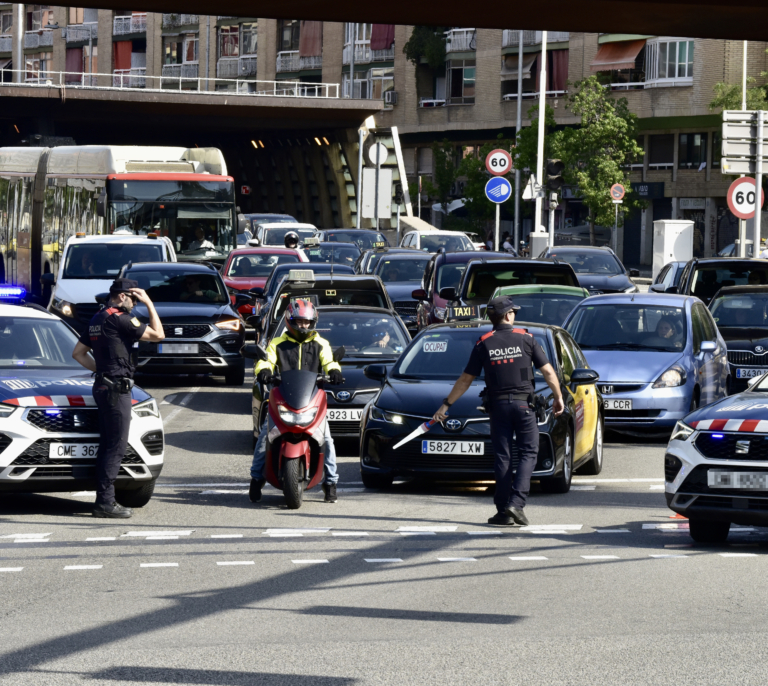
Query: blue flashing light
{"x":53,"y":412}
{"x":12,"y":292}
{"x":718,"y":436}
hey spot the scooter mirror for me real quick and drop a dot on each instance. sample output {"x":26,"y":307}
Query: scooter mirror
{"x":254,"y":352}
{"x":338,"y":356}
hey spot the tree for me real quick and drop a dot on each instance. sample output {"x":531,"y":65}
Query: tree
{"x":728,"y":95}
{"x":444,"y":172}
{"x":426,"y":42}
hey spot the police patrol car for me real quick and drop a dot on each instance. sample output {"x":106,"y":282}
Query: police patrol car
{"x":716,"y":464}
{"x":49,"y":429}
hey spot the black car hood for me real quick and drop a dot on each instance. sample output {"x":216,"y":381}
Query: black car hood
{"x":24,"y":383}
{"x":744,"y":339}
{"x":401,"y":290}
{"x":178,"y":312}
{"x":597,"y":282}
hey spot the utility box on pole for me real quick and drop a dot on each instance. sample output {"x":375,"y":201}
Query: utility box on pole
{"x":538,"y":242}
{"x":672,"y":242}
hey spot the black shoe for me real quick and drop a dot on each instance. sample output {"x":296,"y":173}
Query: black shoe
{"x":330,"y":493}
{"x":112,"y":511}
{"x":254,"y":492}
{"x":501,"y":519}
{"x":518,"y":515}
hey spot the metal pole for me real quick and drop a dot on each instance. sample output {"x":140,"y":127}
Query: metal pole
{"x":208,"y":57}
{"x":615,"y":229}
{"x":417,"y":162}
{"x":498,"y":222}
{"x":542,"y":129}
{"x":552,"y":199}
{"x":758,"y":183}
{"x":744,"y":79}
{"x":18,"y":44}
{"x":352,"y":62}
{"x":376,"y":192}
{"x":90,"y":55}
{"x":518,"y":126}
{"x":359,"y":214}
{"x":398,"y":224}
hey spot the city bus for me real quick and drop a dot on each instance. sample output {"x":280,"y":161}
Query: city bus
{"x":47,"y":195}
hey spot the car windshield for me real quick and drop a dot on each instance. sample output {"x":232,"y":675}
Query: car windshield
{"x":173,"y":286}
{"x":483,"y":280}
{"x":590,"y":262}
{"x":450,"y":243}
{"x":38,"y":343}
{"x":246,"y":266}
{"x":545,"y":308}
{"x":104,"y":260}
{"x":346,"y":253}
{"x":364,"y":240}
{"x":373,"y":262}
{"x":361,"y":334}
{"x":255,"y":221}
{"x":277,"y":236}
{"x":393,"y":270}
{"x":449,"y":276}
{"x":629,"y":327}
{"x":337,"y":296}
{"x":444,"y":354}
{"x":709,"y":280}
{"x":741,"y":310}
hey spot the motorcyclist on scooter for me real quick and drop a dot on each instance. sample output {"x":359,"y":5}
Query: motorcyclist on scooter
{"x":300,"y":347}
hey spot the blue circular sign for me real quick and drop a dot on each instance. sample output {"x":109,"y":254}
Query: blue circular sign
{"x":498,"y":190}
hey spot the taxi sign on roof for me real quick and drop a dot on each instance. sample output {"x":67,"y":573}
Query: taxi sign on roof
{"x":312,"y":240}
{"x":301,"y":275}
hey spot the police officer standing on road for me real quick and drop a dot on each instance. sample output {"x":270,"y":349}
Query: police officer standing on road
{"x":506,"y":355}
{"x":111,"y":334}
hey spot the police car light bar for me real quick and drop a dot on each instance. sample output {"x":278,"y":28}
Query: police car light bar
{"x":12,"y":292}
{"x":302,"y":275}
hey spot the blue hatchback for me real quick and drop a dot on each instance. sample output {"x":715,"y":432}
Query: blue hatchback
{"x":659,"y":357}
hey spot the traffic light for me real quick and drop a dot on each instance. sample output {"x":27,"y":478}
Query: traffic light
{"x":398,"y":194}
{"x":555,"y":169}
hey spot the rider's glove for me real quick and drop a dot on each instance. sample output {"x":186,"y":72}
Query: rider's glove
{"x":264,"y":377}
{"x":335,"y":376}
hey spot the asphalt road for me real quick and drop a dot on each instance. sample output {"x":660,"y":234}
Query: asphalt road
{"x":406,"y":587}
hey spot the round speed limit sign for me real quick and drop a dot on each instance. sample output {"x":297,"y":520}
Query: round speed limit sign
{"x":498,"y":162}
{"x":741,"y":198}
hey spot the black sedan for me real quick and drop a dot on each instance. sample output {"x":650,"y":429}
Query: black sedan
{"x":461,"y":448}
{"x":323,"y":252}
{"x":203,"y":330}
{"x":597,"y":269}
{"x":402,"y":274}
{"x":363,"y":238}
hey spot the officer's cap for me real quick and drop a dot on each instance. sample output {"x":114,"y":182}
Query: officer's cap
{"x":123,"y":285}
{"x":500,"y":306}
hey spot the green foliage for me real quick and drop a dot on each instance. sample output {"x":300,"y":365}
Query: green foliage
{"x":444,"y":172}
{"x":427,"y":42}
{"x":528,"y":139}
{"x":728,"y":96}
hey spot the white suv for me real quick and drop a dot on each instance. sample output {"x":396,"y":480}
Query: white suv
{"x":432,"y":241}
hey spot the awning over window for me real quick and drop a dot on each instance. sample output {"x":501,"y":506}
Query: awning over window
{"x":382,"y":36}
{"x":311,"y":39}
{"x":509,"y":67}
{"x":619,"y":55}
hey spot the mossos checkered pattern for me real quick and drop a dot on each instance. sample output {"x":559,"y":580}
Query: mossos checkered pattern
{"x":740,"y":425}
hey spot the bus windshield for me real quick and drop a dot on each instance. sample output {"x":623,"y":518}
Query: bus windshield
{"x":198,"y":216}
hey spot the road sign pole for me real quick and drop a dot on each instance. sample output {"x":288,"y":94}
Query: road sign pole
{"x":615,"y":227}
{"x":498,"y":223}
{"x":758,"y":184}
{"x":551,"y":226}
{"x":542,"y":127}
{"x":359,"y":198}
{"x":398,"y":224}
{"x":518,"y":126}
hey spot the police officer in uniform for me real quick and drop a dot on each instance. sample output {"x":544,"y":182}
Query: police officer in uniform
{"x":110,"y":336}
{"x":506,"y":355}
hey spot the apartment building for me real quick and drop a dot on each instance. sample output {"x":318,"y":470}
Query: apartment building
{"x":668,"y":82}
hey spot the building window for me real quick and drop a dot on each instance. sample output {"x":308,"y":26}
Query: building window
{"x":362,"y":33}
{"x":229,"y":41}
{"x":288,"y":35}
{"x":661,"y":151}
{"x":173,"y":50}
{"x":38,"y":17}
{"x":717,"y":148}
{"x":37,"y":66}
{"x":382,"y":80}
{"x":190,"y":48}
{"x":248,"y":38}
{"x":692,"y":151}
{"x":669,"y":60}
{"x":460,"y":78}
{"x":6,"y":21}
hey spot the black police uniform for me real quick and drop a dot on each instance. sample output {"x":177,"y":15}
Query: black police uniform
{"x":506,"y":354}
{"x":111,"y":334}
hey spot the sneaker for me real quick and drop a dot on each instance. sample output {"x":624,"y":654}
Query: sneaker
{"x":518,"y":515}
{"x":112,"y":511}
{"x":330,"y":493}
{"x":254,"y":492}
{"x":501,"y":519}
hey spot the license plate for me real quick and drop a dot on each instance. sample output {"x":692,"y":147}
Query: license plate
{"x":178,"y":348}
{"x":344,"y":415}
{"x":749,"y":373}
{"x":452,"y":447}
{"x":72,"y":451}
{"x":617,"y":404}
{"x":755,"y":481}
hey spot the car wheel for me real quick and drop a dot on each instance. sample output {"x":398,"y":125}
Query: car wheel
{"x":377,"y":481}
{"x":562,"y":482}
{"x":703,"y":531}
{"x":137,"y":497}
{"x":235,"y":377}
{"x":595,"y":463}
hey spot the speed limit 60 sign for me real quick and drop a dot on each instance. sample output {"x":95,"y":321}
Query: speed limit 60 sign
{"x":498,"y":162}
{"x":741,"y":198}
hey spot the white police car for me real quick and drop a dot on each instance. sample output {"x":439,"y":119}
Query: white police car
{"x":49,"y":429}
{"x":716,"y":464}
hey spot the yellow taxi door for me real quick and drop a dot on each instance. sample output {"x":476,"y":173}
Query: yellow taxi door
{"x":585,"y":410}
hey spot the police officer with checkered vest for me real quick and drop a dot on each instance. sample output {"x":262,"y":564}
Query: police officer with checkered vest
{"x":110,"y":336}
{"x":507,"y":355}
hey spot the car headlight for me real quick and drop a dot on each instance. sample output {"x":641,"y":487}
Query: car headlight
{"x":674,"y":376}
{"x":297,"y":418}
{"x":382,"y":416}
{"x":63,"y":306}
{"x":440,"y":312}
{"x":681,"y":432}
{"x":148,"y":408}
{"x":229,"y":324}
{"x":7,"y":410}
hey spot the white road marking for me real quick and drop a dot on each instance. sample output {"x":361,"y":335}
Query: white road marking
{"x":309,"y":562}
{"x":615,"y":481}
{"x":32,"y":540}
{"x":349,"y":533}
{"x":417,"y":533}
{"x":159,"y":564}
{"x":184,"y":402}
{"x":84,"y":494}
{"x":144,"y":534}
{"x":432,"y":529}
{"x":457,"y":559}
{"x":741,"y":529}
{"x":318,"y":530}
{"x":226,"y":535}
{"x":737,"y":554}
{"x":679,"y":545}
{"x":383,"y":559}
{"x":583,"y":488}
{"x":600,"y":557}
{"x":285,"y":535}
{"x":484,"y":533}
{"x":656,"y":487}
{"x":667,"y":526}
{"x":523,"y":558}
{"x":162,"y":538}
{"x":11,"y":569}
{"x":552,"y":527}
{"x":73,"y":567}
{"x":17,"y":536}
{"x":236,"y":562}
{"x":102,"y":538}
{"x":612,"y":531}
{"x":222,"y":492}
{"x":658,"y":557}
{"x":228,"y":484}
{"x":539,"y":532}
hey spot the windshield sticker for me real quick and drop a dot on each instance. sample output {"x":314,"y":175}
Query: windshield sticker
{"x":435,"y":346}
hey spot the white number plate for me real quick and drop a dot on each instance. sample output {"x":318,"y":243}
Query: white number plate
{"x":344,"y":415}
{"x":452,"y":448}
{"x":72,"y":451}
{"x":617,"y":404}
{"x":749,"y":373}
{"x":755,"y":481}
{"x":178,"y":348}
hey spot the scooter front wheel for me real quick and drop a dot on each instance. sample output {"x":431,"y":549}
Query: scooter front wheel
{"x":293,"y":483}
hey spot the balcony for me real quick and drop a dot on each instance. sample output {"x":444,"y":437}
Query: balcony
{"x":6,"y":44}
{"x":82,"y":33}
{"x":460,"y":40}
{"x":172,"y":21}
{"x":315,"y":62}
{"x":129,"y":78}
{"x":288,"y":60}
{"x":135,"y":23}
{"x":511,"y":39}
{"x":236,"y":67}
{"x":184,"y":72}
{"x":38,"y":39}
{"x":364,"y":54}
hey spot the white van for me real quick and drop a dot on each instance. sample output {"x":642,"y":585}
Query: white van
{"x":273,"y":233}
{"x":90,"y":264}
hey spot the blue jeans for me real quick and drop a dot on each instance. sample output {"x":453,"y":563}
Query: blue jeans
{"x":260,"y":454}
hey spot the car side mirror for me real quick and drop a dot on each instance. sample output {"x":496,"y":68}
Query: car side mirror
{"x":583,"y":377}
{"x":672,"y":289}
{"x":257,"y":292}
{"x":102,"y":298}
{"x":254,"y":352}
{"x":656,"y":288}
{"x":376,"y":372}
{"x":448,"y":293}
{"x":253,"y":321}
{"x":419,"y":294}
{"x":254,"y":242}
{"x":241,"y":299}
{"x":708,"y":346}
{"x":753,"y":381}
{"x":634,"y":272}
{"x":48,"y":279}
{"x":338,"y":355}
